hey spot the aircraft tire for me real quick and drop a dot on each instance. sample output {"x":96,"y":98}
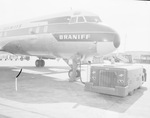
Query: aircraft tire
{"x":131,"y":93}
{"x":42,"y":63}
{"x":77,"y":73}
{"x":39,"y":63}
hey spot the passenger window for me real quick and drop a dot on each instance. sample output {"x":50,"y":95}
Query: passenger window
{"x":73,"y":20}
{"x":80,"y":19}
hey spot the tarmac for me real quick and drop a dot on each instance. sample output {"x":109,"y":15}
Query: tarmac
{"x":46,"y":93}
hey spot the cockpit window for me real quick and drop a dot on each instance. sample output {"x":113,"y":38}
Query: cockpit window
{"x":73,"y":20}
{"x":94,"y":19}
{"x":80,"y":19}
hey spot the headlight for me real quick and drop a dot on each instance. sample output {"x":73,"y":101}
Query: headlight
{"x":120,"y":81}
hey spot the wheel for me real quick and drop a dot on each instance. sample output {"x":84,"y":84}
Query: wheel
{"x":139,"y":87}
{"x":27,"y":58}
{"x":40,"y":63}
{"x":77,"y":73}
{"x":131,"y":93}
{"x":37,"y":63}
{"x":145,"y":75}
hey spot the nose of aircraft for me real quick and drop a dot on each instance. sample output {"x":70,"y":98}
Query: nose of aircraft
{"x":114,"y":37}
{"x":110,"y":34}
{"x":116,"y":41}
{"x":110,"y":40}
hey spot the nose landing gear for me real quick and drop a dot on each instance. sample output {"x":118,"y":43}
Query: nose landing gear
{"x":40,"y":63}
{"x":77,"y":74}
{"x":74,"y":73}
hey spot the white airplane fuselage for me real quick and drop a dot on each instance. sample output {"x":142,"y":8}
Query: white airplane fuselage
{"x":53,"y":38}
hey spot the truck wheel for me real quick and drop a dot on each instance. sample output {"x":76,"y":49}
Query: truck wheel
{"x":130,"y":93}
{"x":139,"y":87}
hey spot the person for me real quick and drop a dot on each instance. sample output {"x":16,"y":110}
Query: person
{"x":75,"y":60}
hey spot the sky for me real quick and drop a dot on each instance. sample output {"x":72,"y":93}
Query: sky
{"x":130,"y":18}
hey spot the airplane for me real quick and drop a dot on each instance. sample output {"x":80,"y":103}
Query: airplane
{"x":60,"y":36}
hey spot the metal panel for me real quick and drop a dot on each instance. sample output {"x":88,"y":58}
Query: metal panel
{"x":115,"y":80}
{"x":107,"y":78}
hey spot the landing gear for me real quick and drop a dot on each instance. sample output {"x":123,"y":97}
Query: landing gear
{"x":40,"y":63}
{"x":77,"y":74}
{"x":74,"y":73}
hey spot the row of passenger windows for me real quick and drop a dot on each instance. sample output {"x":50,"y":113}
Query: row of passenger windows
{"x":33,"y":30}
{"x":36,"y":30}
